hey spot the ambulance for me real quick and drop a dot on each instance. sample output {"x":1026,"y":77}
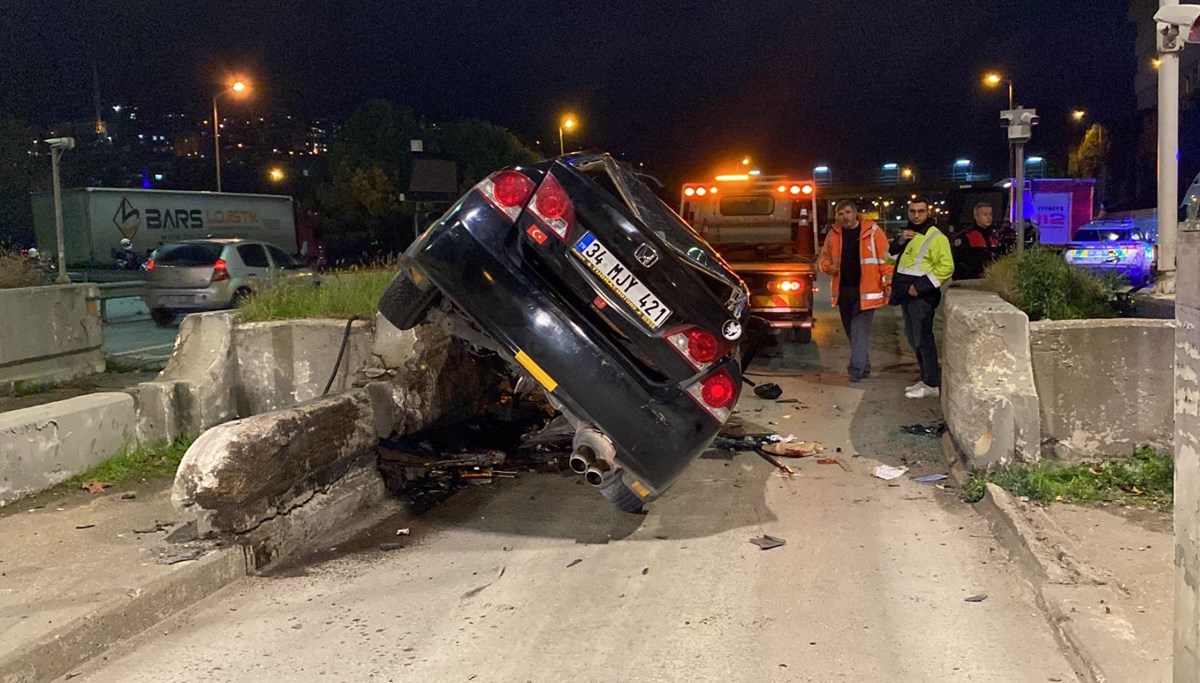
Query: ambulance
{"x":766,"y":229}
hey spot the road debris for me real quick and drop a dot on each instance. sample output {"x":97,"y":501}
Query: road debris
{"x":645,"y":571}
{"x":158,"y":526}
{"x":833,"y":461}
{"x":771,"y":459}
{"x":932,"y":431}
{"x":767,"y":542}
{"x":128,"y":495}
{"x":887,"y":472}
{"x":574,"y":562}
{"x":387,"y":547}
{"x":84,"y":526}
{"x":95,"y":486}
{"x":769,"y":391}
{"x":403,"y":532}
{"x":977,"y":598}
{"x":930,"y":478}
{"x":797,"y":449}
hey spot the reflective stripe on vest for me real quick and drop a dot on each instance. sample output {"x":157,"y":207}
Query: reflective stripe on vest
{"x":919,"y":269}
{"x":871,"y":296}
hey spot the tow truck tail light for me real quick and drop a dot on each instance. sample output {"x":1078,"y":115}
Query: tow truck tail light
{"x":689,"y":191}
{"x":552,"y":205}
{"x":785,"y":286}
{"x":716,"y":394}
{"x":699,"y":347}
{"x":220,"y":271}
{"x":508,"y":191}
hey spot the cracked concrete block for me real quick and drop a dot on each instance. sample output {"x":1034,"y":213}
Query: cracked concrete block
{"x":196,"y":389}
{"x":1105,"y":386}
{"x":283,"y":363}
{"x":989,"y":398}
{"x":1186,"y":659}
{"x":242,"y":473}
{"x":439,"y":381}
{"x":47,"y":444}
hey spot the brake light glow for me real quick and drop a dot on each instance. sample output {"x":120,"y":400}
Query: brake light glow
{"x":781,"y":188}
{"x":713,"y":190}
{"x":736,"y":177}
{"x":150,"y":264}
{"x":700,"y":191}
{"x":784,"y":286}
{"x":716,"y":394}
{"x":699,"y":347}
{"x":794,"y":189}
{"x":507,"y":191}
{"x":689,"y":191}
{"x":552,"y":205}
{"x":220,"y":271}
{"x":806,"y":189}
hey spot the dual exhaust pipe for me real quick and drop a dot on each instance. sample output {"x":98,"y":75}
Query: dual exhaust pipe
{"x":583,"y":461}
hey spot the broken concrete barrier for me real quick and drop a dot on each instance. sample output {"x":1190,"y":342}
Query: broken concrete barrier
{"x":239,"y":474}
{"x":44,"y":445}
{"x":988,"y":395}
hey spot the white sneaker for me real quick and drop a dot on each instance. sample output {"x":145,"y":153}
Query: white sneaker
{"x":914,"y":387}
{"x":924,"y":392}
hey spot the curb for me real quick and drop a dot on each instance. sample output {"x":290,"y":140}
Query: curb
{"x":56,"y":653}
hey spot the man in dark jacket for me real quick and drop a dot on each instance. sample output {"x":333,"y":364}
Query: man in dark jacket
{"x":976,"y":247}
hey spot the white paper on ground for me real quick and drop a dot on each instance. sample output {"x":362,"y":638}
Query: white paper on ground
{"x":888,"y":472}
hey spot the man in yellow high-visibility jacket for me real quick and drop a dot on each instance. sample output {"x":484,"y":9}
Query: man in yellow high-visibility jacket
{"x":925,"y":264}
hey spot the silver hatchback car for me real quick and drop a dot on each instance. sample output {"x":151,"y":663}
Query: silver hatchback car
{"x":213,"y":274}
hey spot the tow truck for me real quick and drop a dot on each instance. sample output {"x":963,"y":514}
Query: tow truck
{"x":765,"y":228}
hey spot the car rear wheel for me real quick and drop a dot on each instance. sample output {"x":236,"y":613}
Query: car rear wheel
{"x":162,"y":317}
{"x":621,"y":495}
{"x":405,"y":303}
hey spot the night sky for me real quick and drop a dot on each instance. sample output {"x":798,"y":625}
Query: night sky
{"x":678,"y":85}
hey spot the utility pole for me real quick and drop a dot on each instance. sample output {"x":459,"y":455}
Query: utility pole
{"x":1170,"y":43}
{"x":57,"y":147}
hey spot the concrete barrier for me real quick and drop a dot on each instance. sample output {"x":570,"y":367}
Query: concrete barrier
{"x":47,"y":444}
{"x":1104,"y":386}
{"x":285,"y":363}
{"x":196,"y":389}
{"x":53,"y":334}
{"x":988,"y":395}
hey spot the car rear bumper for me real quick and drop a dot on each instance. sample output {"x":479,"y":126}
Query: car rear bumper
{"x":1137,"y":273}
{"x":212,"y":298}
{"x":657,"y":430}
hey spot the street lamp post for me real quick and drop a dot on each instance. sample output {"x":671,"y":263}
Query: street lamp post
{"x":237,"y":87}
{"x":994,"y":79}
{"x":567,"y":123}
{"x":57,"y":147}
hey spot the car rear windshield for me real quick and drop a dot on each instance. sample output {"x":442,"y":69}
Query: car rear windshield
{"x":665,"y":223}
{"x":189,"y":255}
{"x":1101,"y":235}
{"x":748,"y":206}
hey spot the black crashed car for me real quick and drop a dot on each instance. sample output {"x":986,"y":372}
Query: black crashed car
{"x":589,"y":284}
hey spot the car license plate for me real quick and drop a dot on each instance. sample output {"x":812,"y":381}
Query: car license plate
{"x":622,"y":281}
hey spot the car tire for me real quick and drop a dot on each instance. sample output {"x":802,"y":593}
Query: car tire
{"x":239,"y":297}
{"x":621,"y":495}
{"x":162,"y":317}
{"x":405,"y":304}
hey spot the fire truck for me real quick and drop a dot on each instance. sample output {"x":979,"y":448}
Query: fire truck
{"x":766,"y":229}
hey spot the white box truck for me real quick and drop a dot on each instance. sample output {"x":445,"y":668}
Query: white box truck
{"x":96,"y":219}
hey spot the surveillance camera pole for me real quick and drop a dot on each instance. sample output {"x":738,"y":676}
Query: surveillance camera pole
{"x":1020,"y":122}
{"x":1169,"y":45}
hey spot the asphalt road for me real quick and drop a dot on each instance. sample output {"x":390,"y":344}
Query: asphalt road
{"x":538,"y":579}
{"x":130,"y":335}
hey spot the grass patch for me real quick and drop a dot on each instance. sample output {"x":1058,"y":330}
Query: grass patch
{"x":1146,"y":479}
{"x":143,"y":462}
{"x":340,"y":295}
{"x":1041,"y":283}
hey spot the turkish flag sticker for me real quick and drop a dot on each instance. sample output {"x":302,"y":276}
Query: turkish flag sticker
{"x":537,"y":235}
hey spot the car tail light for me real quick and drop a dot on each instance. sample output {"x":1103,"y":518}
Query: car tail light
{"x":699,"y":347}
{"x":150,"y":264}
{"x":220,"y":271}
{"x":785,"y":286}
{"x":716,"y":394}
{"x":552,"y":205}
{"x":508,"y":191}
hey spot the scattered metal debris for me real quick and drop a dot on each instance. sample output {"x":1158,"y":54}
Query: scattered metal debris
{"x":977,"y":598}
{"x":770,"y":391}
{"x":767,"y":542}
{"x":930,"y":478}
{"x":573,"y":563}
{"x":84,"y":526}
{"x":932,"y":431}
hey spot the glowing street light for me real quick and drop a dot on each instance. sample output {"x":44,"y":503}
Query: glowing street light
{"x":745,"y":161}
{"x":994,"y":79}
{"x":1079,"y":114}
{"x":239,"y":87}
{"x":906,"y":173}
{"x":568,"y":123}
{"x":276,"y":174}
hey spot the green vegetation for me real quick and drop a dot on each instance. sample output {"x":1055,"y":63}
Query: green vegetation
{"x":1041,"y":283}
{"x":1145,"y":479}
{"x":340,"y":295}
{"x":143,"y":462}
